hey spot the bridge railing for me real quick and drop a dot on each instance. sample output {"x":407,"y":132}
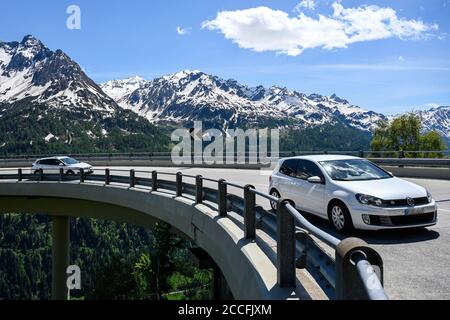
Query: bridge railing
{"x":355,"y":271}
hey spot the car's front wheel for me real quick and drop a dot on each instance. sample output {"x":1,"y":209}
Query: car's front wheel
{"x":339,"y":216}
{"x":70,"y":173}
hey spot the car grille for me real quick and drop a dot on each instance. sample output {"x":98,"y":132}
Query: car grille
{"x":402,"y":220}
{"x":404,"y":203}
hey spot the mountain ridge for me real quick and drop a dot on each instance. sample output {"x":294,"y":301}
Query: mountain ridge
{"x":187,"y":96}
{"x":182,"y":90}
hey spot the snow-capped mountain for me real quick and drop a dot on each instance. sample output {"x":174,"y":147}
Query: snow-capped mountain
{"x":29,"y":70}
{"x":437,"y":119}
{"x":46,"y":97}
{"x":121,"y":89}
{"x":186,"y":96}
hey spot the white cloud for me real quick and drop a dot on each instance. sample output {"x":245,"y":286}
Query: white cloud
{"x":305,"y":4}
{"x":264,"y":29}
{"x":183,"y":31}
{"x":400,"y":58}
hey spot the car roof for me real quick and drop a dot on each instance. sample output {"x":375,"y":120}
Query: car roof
{"x":55,"y":157}
{"x":323,"y":157}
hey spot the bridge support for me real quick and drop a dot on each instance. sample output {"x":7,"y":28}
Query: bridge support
{"x":60,"y":257}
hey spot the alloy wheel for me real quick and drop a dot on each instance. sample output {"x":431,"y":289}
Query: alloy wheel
{"x":337,"y":216}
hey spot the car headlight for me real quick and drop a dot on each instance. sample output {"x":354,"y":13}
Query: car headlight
{"x":369,"y":200}
{"x":430,"y":198}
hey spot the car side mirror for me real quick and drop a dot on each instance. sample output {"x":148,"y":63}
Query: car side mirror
{"x":315,"y":179}
{"x":390,"y":173}
{"x":61,"y":164}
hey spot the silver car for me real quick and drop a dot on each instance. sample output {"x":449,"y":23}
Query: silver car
{"x":352,"y":193}
{"x":54,"y":164}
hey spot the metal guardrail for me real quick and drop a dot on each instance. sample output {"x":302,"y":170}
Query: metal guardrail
{"x":165,"y":154}
{"x":355,"y":273}
{"x":413,"y":162}
{"x":388,"y":158}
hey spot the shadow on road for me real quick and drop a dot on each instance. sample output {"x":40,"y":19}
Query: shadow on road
{"x":378,"y":237}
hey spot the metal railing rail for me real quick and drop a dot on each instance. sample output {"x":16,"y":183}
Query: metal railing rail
{"x":355,"y":273}
{"x":167,"y":154}
{"x":412,"y":162}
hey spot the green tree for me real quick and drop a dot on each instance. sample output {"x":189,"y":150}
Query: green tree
{"x":154,"y":269}
{"x":405,"y":133}
{"x":115,"y":282}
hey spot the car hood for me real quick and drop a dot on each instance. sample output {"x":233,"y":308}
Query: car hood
{"x":386,"y":189}
{"x":82,"y":165}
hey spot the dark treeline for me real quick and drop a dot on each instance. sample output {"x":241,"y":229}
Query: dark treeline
{"x":117,"y":261}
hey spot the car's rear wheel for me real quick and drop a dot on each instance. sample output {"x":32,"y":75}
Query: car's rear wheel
{"x":274,"y":204}
{"x":339,"y":216}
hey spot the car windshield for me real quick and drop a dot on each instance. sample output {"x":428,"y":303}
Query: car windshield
{"x":353,"y":170}
{"x":70,"y":160}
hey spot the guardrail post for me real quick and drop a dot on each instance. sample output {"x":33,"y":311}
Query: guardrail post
{"x":107,"y":177}
{"x":81,"y":175}
{"x":179,"y":184}
{"x":349,"y":285}
{"x":19,"y":174}
{"x":132,"y":178}
{"x":154,"y":180}
{"x":198,"y":189}
{"x":222,"y":189}
{"x":361,"y":154}
{"x":249,"y":212}
{"x":285,"y":247}
{"x":61,"y":174}
{"x":41,"y":174}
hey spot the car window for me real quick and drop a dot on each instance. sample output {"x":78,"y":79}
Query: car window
{"x":354,"y":170}
{"x":307,"y":169}
{"x":289,"y":167}
{"x":55,"y":162}
{"x":50,"y":162}
{"x":45,"y":162}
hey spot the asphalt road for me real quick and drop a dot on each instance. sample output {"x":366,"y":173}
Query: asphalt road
{"x":417,"y":262}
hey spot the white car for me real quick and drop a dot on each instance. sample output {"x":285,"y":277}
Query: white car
{"x":351,"y":193}
{"x":54,"y":164}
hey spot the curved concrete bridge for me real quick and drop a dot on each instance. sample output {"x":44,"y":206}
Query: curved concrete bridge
{"x":259,"y":255}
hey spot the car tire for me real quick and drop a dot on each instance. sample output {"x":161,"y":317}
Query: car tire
{"x":339,"y":217}
{"x":70,"y":172}
{"x":273,"y":204}
{"x":36,"y":172}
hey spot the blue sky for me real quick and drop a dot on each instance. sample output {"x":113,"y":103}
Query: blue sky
{"x":398,"y":66}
